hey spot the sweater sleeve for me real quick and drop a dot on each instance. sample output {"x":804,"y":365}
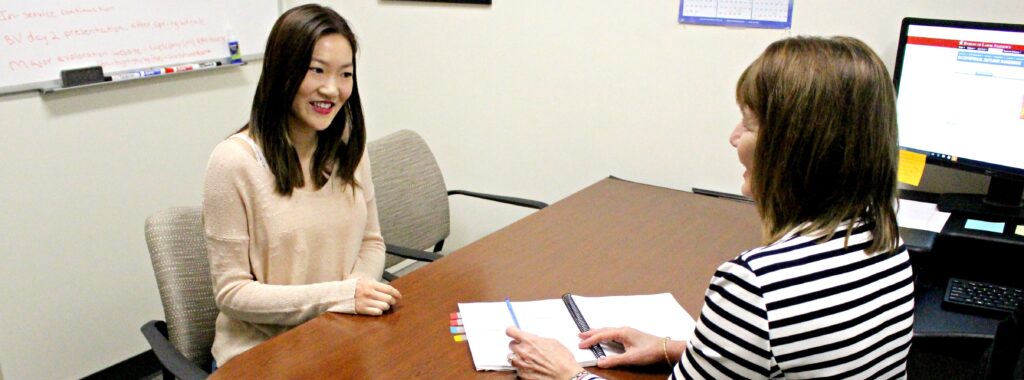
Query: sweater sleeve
{"x":227,"y":193}
{"x":731,"y":338}
{"x":370,"y":262}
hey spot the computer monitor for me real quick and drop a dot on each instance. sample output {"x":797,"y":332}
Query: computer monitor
{"x":960,"y":101}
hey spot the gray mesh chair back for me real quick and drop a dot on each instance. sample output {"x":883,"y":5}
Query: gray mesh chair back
{"x":412,"y":200}
{"x":177,"y":247}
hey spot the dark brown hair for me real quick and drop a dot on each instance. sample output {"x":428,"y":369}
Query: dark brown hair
{"x":826,"y":148}
{"x":285,"y":63}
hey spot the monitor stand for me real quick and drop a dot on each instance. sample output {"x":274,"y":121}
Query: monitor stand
{"x":1001,"y":205}
{"x":1003,"y":200}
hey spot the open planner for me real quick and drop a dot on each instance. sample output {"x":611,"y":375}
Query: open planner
{"x":485,"y":323}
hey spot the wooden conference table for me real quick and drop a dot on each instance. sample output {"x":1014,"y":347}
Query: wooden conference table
{"x":612,"y":238}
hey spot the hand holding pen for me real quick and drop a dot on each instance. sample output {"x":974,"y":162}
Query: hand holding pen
{"x":537,"y":357}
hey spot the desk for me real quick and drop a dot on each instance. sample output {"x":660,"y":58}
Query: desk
{"x":612,"y":238}
{"x":938,"y":256}
{"x":953,"y":257}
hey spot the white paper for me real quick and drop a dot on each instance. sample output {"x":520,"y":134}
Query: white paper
{"x":485,"y":323}
{"x":920,"y":216}
{"x":655,"y":314}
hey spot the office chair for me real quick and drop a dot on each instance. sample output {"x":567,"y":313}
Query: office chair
{"x":412,"y":200}
{"x":177,"y":247}
{"x":1005,"y":358}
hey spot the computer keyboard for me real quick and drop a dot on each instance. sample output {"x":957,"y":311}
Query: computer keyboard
{"x":982,"y":296}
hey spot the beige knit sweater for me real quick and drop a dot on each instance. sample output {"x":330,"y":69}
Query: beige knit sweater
{"x":278,"y":261}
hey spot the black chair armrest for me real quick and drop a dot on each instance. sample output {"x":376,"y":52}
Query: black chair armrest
{"x":502,"y":199}
{"x":410,"y":253}
{"x":170,"y":358}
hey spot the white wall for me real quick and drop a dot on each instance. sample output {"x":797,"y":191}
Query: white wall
{"x":535,"y":98}
{"x":540,"y":98}
{"x":81,"y":171}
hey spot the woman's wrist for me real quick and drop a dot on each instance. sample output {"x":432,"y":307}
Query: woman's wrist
{"x":580,"y":375}
{"x":674,"y":349}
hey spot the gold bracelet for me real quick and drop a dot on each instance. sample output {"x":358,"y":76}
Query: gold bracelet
{"x":664,"y":350}
{"x":580,"y":375}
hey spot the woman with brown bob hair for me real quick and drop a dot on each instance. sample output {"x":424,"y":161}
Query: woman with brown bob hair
{"x":288,"y":204}
{"x":830,"y":294}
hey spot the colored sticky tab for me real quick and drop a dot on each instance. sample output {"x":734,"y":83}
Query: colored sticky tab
{"x":982,"y":225}
{"x":458,"y":329}
{"x":455,"y":315}
{"x":911,"y":167}
{"x":460,"y":338}
{"x":1019,"y":230}
{"x":455,"y":322}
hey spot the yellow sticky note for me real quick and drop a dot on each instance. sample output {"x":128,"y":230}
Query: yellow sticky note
{"x":1019,"y":231}
{"x":911,"y":167}
{"x":460,"y":338}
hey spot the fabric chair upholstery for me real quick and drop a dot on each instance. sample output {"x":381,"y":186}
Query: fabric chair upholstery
{"x":177,"y":248}
{"x":412,"y":199}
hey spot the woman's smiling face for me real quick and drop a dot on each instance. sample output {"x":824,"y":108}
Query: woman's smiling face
{"x":327,"y":85}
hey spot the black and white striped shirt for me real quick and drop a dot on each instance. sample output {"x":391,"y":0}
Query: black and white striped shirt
{"x":802,"y":309}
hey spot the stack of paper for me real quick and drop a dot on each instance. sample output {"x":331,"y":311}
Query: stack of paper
{"x":920,"y":216}
{"x":485,"y":323}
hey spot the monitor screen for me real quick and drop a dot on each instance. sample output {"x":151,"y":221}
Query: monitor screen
{"x":960,"y":89}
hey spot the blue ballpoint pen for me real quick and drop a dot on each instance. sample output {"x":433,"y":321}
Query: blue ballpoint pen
{"x":508,"y":302}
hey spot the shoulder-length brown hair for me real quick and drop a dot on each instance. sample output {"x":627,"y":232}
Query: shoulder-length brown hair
{"x":826,"y":148}
{"x":285,"y":62}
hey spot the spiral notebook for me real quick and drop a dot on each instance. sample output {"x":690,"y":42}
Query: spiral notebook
{"x":563,"y":319}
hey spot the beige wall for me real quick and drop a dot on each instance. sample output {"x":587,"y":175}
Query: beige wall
{"x":535,"y":98}
{"x":81,"y":171}
{"x":541,"y":98}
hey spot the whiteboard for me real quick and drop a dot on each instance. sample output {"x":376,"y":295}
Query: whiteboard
{"x":42,"y":37}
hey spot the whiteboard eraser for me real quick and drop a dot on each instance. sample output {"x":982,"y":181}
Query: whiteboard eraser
{"x":81,"y":76}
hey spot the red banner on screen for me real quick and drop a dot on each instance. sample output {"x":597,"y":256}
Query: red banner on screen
{"x":957,"y":44}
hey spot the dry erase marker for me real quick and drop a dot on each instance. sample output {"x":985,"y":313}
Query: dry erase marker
{"x":126,"y":76}
{"x":181,"y":68}
{"x":188,"y":67}
{"x":207,"y":65}
{"x":508,"y":303}
{"x":192,"y":67}
{"x":137,"y":74}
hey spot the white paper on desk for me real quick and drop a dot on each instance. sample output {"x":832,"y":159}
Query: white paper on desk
{"x":920,"y":216}
{"x":485,"y":323}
